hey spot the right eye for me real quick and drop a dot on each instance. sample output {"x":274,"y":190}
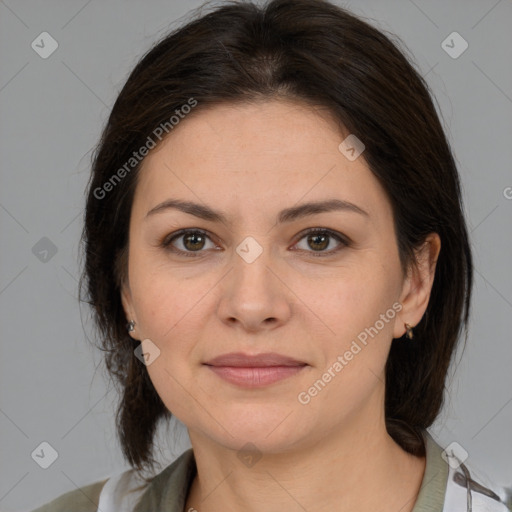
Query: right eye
{"x":192,"y":241}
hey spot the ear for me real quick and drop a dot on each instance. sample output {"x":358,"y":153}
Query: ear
{"x":418,"y":285}
{"x":126,"y":299}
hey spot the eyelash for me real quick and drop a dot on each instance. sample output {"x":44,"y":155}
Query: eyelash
{"x":166,"y":243}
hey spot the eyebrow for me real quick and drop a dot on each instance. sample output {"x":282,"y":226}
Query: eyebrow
{"x":287,"y":215}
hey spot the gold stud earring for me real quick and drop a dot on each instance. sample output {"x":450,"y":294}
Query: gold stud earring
{"x":409,"y":332}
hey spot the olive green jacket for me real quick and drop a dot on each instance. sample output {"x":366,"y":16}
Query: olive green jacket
{"x":441,"y":489}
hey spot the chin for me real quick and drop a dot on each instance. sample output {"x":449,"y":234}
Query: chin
{"x":256,"y":431}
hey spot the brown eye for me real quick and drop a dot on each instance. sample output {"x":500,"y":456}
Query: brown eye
{"x":188,"y":242}
{"x":319,"y":239}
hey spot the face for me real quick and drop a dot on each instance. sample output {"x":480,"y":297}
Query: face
{"x":257,"y":280}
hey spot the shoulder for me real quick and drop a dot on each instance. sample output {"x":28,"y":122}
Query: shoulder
{"x":83,"y":499}
{"x":468,"y":489}
{"x":129,"y":491}
{"x":168,"y":489}
{"x":452,"y":483}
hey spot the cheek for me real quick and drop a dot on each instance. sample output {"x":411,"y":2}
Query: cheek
{"x":165,"y":301}
{"x":170,"y":313}
{"x":353,"y":301}
{"x":359,"y":314}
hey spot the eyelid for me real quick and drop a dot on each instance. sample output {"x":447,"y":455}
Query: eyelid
{"x":344,"y":241}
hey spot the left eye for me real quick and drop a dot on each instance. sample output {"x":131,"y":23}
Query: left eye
{"x":320,"y":240}
{"x":193,"y":241}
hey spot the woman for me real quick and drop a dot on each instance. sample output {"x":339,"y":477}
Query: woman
{"x":276,"y":254}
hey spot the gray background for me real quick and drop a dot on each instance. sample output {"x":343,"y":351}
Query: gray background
{"x":51,"y":114}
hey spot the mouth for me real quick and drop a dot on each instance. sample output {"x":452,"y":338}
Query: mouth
{"x":254,"y":371}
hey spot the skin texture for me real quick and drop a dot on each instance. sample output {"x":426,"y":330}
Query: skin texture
{"x":251,"y":161}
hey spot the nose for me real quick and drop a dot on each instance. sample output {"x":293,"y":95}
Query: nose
{"x":254,"y":294}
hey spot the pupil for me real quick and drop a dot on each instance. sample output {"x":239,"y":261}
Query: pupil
{"x":193,"y":236}
{"x":316,"y":237}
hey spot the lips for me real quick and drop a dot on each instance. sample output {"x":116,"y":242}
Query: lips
{"x":239,"y":359}
{"x":254,"y":371}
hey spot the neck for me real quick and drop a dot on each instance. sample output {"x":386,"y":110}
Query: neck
{"x":352,"y":469}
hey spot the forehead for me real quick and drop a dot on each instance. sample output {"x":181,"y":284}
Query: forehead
{"x":253,"y":156}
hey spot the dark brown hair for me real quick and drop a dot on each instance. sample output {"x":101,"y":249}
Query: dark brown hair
{"x":317,"y":53}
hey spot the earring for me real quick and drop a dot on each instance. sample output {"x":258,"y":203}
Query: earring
{"x":131,"y":326}
{"x":409,"y":332}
